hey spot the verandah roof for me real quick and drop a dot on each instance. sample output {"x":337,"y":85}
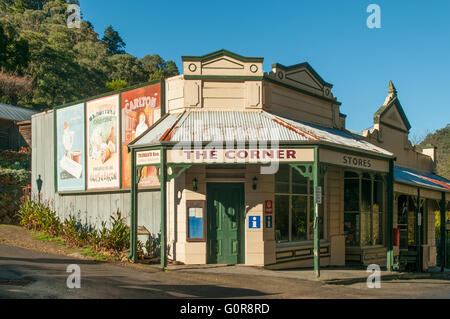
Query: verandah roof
{"x":246,"y":126}
{"x":419,"y":179}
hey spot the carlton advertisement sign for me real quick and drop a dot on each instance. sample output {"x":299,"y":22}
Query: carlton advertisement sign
{"x":141,"y":108}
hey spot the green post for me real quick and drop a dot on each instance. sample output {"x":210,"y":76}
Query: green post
{"x":316,"y":215}
{"x":163,"y":181}
{"x":443,"y":232}
{"x":419,"y":233}
{"x":133,"y":217}
{"x":390,"y":217}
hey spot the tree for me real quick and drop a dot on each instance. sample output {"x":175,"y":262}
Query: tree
{"x":441,"y":140}
{"x":157,"y":68}
{"x":113,"y":41}
{"x":14,"y":51}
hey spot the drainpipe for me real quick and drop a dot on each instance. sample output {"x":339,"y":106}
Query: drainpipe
{"x":443,"y":232}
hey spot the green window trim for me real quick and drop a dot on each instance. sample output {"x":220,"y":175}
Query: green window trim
{"x":364,"y":219}
{"x":297,"y":195}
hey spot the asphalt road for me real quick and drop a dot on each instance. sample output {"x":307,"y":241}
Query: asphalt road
{"x":31,"y":274}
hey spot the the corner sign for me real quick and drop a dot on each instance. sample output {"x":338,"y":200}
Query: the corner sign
{"x":148,"y":157}
{"x":240,"y":155}
{"x":348,"y":160}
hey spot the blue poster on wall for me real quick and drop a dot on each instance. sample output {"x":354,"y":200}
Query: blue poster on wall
{"x":195,"y":223}
{"x":70,"y":148}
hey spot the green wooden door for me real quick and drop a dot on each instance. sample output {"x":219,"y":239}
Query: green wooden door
{"x":225,"y":232}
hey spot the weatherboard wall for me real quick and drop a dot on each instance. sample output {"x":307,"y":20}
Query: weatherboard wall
{"x":91,"y":208}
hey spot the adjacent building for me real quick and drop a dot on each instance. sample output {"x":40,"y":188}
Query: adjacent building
{"x":15,"y":127}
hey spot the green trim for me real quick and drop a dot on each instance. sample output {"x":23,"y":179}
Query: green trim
{"x":284,"y":144}
{"x":277,"y":82}
{"x":163,"y":98}
{"x":315,"y":172}
{"x":176,"y":174}
{"x":390,"y":217}
{"x":220,"y":53}
{"x":224,"y":77}
{"x":133,"y":217}
{"x":443,"y":232}
{"x":120,"y":141}
{"x":307,"y":172}
{"x":163,"y":179}
{"x":112,"y":191}
{"x":305,"y":65}
{"x":55,"y":151}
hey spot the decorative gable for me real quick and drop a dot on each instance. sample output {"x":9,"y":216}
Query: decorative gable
{"x":222,"y":63}
{"x":302,"y":76}
{"x":391,"y":113}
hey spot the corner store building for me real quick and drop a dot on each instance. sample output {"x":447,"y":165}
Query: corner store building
{"x":218,"y":207}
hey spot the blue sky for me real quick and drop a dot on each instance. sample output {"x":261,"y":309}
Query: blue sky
{"x":411,"y":48}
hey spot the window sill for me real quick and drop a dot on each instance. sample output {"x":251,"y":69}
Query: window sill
{"x":300,"y":244}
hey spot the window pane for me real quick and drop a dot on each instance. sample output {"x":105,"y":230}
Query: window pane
{"x":282,"y":179}
{"x":351,"y":175}
{"x":299,"y":218}
{"x":299,"y":183}
{"x":366,"y":216}
{"x":378,"y":194}
{"x":351,"y":229}
{"x":377,"y":228}
{"x":282,"y":218}
{"x":402,"y":220}
{"x":351,"y":195}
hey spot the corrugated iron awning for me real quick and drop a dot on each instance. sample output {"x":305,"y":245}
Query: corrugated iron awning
{"x":247,"y":126}
{"x":420,"y":179}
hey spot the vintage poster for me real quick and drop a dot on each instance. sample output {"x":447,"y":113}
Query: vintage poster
{"x":102,"y":120}
{"x":141,"y":108}
{"x":70,"y":148}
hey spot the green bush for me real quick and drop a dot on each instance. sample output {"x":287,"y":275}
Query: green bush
{"x":113,"y":240}
{"x":15,"y":160}
{"x":39,"y":217}
{"x":12,"y":183}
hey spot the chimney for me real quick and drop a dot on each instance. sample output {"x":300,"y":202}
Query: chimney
{"x":430,"y":151}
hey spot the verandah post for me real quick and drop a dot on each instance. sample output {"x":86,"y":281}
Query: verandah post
{"x":443,"y":232}
{"x":163,"y":180}
{"x":390,"y":217}
{"x":316,"y":215}
{"x":133,"y":217}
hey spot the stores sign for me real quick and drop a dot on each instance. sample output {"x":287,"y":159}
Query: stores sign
{"x":353,"y":161}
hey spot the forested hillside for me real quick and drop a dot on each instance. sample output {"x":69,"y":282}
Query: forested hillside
{"x":44,"y":63}
{"x":441,"y":139}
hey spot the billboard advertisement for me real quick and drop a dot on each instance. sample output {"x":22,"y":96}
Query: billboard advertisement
{"x":141,"y":108}
{"x":70,"y":148}
{"x":102,"y":128}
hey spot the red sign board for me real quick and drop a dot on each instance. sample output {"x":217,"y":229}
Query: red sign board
{"x":268,"y":207}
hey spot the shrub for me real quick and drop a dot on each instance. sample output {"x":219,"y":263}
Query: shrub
{"x":40,"y":217}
